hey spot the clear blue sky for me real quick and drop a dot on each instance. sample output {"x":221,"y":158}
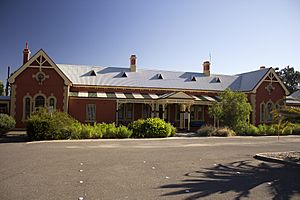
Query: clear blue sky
{"x":164,"y":34}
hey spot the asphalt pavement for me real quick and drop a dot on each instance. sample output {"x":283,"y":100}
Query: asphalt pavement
{"x":172,"y":168}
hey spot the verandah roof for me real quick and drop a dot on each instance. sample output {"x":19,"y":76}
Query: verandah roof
{"x":146,"y":96}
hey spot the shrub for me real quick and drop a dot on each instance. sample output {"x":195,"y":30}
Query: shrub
{"x":6,"y":123}
{"x":206,"y":131}
{"x":249,"y":130}
{"x":224,"y":132}
{"x":123,"y":132}
{"x":296,"y":129}
{"x":43,"y":125}
{"x":151,"y":128}
{"x":212,"y":131}
{"x":138,"y":128}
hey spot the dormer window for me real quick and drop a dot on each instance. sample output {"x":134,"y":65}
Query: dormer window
{"x":92,"y":73}
{"x":218,"y":80}
{"x":193,"y":78}
{"x":124,"y":75}
{"x":159,"y":76}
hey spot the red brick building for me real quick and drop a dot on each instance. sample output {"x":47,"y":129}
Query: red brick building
{"x":121,"y":95}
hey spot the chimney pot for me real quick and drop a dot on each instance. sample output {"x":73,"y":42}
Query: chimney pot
{"x":26,"y":54}
{"x":206,"y":68}
{"x":133,"y":63}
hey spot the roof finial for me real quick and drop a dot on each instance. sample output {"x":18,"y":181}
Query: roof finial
{"x":26,"y":45}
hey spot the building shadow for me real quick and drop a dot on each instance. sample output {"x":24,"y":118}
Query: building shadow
{"x":239,"y":177}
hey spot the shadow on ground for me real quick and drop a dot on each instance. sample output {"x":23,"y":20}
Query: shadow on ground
{"x":13,"y":138}
{"x":239,"y":177}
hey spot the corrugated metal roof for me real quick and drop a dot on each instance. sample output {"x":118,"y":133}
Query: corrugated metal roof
{"x":295,"y":95}
{"x":112,"y":76}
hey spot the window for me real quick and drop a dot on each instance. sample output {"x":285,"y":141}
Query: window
{"x":177,"y":112}
{"x":197,"y":113}
{"x":52,"y":102}
{"x":129,"y":111}
{"x":125,"y":112}
{"x":39,"y":101}
{"x":268,"y":112}
{"x":90,"y":112}
{"x":262,"y":112}
{"x":146,"y":111}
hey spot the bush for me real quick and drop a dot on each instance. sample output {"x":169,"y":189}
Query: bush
{"x":218,"y":132}
{"x":249,"y":130}
{"x":224,"y":132}
{"x":123,"y":132}
{"x":206,"y":131}
{"x":151,"y":128}
{"x":296,"y":129}
{"x":138,"y":128}
{"x":43,"y":125}
{"x":6,"y":123}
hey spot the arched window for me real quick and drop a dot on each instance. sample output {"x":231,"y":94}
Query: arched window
{"x":52,"y":102}
{"x":262,"y":112}
{"x":269,"y":109}
{"x":39,"y":101}
{"x":27,"y":108}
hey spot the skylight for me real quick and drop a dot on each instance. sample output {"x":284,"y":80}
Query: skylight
{"x":159,"y":76}
{"x":193,"y":78}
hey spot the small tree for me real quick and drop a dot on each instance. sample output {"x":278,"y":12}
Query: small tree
{"x":233,"y":110}
{"x":1,"y":88}
{"x":290,"y":78}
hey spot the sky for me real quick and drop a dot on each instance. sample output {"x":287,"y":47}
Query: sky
{"x":238,"y":35}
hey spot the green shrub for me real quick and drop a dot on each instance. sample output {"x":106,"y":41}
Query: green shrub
{"x":171,"y":129}
{"x":151,"y":128}
{"x":223,"y":132}
{"x":6,"y":123}
{"x":43,"y":125}
{"x":288,"y":130}
{"x":296,"y":129}
{"x":75,"y":130}
{"x":249,"y":130}
{"x":206,"y":131}
{"x":262,"y":129}
{"x":123,"y":132}
{"x":138,"y":128}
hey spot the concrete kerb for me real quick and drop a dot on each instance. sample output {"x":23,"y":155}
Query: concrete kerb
{"x":266,"y":158}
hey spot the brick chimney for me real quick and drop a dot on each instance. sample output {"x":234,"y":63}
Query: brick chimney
{"x":26,"y":54}
{"x":262,"y":67}
{"x":133,"y":63}
{"x":206,"y":68}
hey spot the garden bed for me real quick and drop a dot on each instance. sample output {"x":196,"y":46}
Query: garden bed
{"x":291,"y":157}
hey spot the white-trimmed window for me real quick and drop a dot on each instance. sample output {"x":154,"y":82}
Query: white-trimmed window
{"x":26,"y":107}
{"x":266,"y":112}
{"x":90,"y":112}
{"x":197,"y":113}
{"x":262,"y":112}
{"x":52,"y":102}
{"x":125,"y":112}
{"x":39,"y":101}
{"x":146,"y":111}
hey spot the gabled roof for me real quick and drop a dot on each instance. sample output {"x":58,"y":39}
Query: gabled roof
{"x":32,"y":61}
{"x":247,"y":81}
